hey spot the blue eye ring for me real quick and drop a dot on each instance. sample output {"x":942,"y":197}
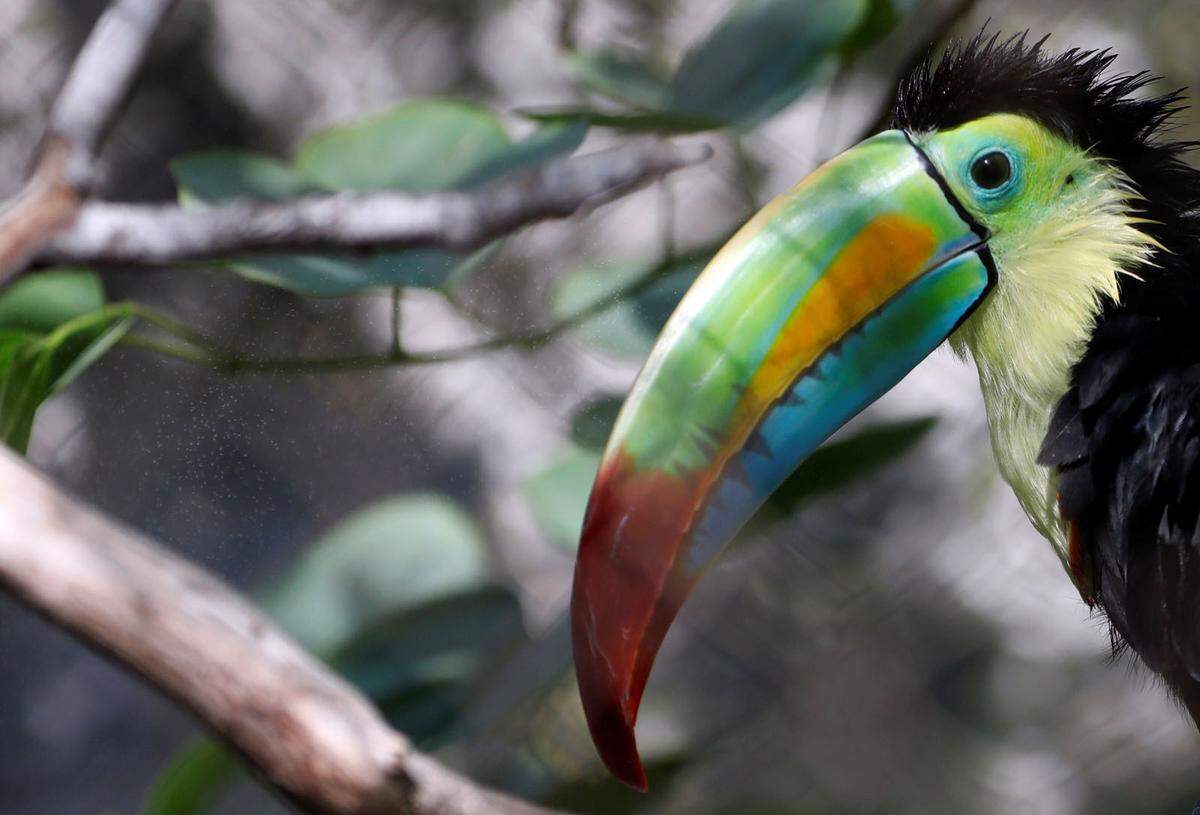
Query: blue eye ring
{"x":993,"y":173}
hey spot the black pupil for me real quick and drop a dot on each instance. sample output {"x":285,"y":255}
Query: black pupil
{"x":991,"y":170}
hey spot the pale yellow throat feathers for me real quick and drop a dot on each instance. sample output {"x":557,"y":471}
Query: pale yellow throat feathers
{"x":1056,"y":266}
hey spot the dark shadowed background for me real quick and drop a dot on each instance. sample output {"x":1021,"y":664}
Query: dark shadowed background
{"x":893,"y":637}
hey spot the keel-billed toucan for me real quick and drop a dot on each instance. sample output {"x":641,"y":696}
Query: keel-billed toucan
{"x":1028,"y":207}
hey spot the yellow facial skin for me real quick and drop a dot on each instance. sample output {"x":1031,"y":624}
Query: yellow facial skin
{"x":1062,"y":237}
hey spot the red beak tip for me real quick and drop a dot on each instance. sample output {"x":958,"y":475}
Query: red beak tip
{"x":638,"y":783}
{"x":612,"y":732}
{"x":629,"y":772}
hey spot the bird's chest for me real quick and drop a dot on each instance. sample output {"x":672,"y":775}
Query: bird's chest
{"x":1018,"y":416}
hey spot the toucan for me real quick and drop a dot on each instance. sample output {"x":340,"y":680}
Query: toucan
{"x":1031,"y":208}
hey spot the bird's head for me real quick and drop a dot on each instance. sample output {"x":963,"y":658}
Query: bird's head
{"x":1003,"y":211}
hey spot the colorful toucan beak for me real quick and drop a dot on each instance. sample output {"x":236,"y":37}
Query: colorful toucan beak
{"x":820,"y":304}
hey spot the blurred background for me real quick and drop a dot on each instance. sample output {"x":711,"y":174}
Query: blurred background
{"x":890,"y":636}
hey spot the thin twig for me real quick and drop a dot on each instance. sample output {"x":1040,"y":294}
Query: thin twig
{"x":311,"y":734}
{"x":397,"y":318}
{"x":107,"y":234}
{"x":64,"y":170}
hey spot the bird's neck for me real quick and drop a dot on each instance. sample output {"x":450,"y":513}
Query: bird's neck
{"x":1017,"y":417}
{"x":1026,"y":337}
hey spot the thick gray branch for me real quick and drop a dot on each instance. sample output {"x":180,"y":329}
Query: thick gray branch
{"x":106,"y":234}
{"x":310,"y":733}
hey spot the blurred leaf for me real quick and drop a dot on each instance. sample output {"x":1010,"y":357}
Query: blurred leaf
{"x":838,"y":464}
{"x":331,"y":275}
{"x":222,"y":175}
{"x":33,"y":368}
{"x":621,"y":78}
{"x":651,"y":121}
{"x":554,"y":139}
{"x":53,"y":326}
{"x":421,"y":665}
{"x":83,"y":348}
{"x":880,"y":18}
{"x":630,"y":325}
{"x":601,"y":795}
{"x":208,"y":178}
{"x":761,"y":57}
{"x":391,"y":556}
{"x":191,"y":783}
{"x":395,"y":596}
{"x":558,"y":495}
{"x":421,"y":146}
{"x":531,"y":672}
{"x":592,"y":421}
{"x":41,"y":302}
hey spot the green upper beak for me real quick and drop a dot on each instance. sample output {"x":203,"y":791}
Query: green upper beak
{"x":820,"y":304}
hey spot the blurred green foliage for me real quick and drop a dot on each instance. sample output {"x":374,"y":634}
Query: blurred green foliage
{"x":384,"y":559}
{"x":53,"y":326}
{"x":558,"y":494}
{"x":631,"y":303}
{"x":417,"y":147}
{"x":763,"y":56}
{"x":193,"y":780}
{"x":398,"y":599}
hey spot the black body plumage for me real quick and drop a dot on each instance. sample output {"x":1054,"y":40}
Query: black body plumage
{"x":1125,"y":439}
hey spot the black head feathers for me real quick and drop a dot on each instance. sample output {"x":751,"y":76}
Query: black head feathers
{"x":1068,"y":93}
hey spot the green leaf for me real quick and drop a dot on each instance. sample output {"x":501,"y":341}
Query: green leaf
{"x":558,"y":495}
{"x":34,"y":368}
{"x":208,"y":178}
{"x":395,"y":597}
{"x":385,"y":558}
{"x":762,"y":57}
{"x":838,"y":464}
{"x":420,"y":666}
{"x":879,"y":21}
{"x":53,"y":326}
{"x":592,"y":421}
{"x":223,"y":175}
{"x":629,"y":326}
{"x":41,"y":302}
{"x":651,"y":121}
{"x":79,"y":351}
{"x":417,"y":147}
{"x":193,"y":781}
{"x":332,"y":275}
{"x":552,"y":140}
{"x":421,"y":146}
{"x":621,"y":78}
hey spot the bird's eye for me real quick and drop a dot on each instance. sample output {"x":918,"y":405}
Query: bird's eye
{"x":991,"y":170}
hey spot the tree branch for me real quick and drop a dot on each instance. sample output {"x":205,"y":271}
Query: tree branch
{"x":106,"y":234}
{"x":101,"y":79}
{"x":87,"y":105}
{"x":310,"y":733}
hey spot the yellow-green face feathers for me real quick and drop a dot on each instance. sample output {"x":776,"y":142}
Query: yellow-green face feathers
{"x":1063,"y":234}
